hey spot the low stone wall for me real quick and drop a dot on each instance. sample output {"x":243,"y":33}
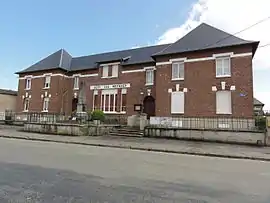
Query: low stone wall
{"x":242,"y":137}
{"x":68,"y":129}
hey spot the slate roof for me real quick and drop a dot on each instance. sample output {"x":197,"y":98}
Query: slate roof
{"x":257,"y":102}
{"x":202,"y":37}
{"x":8,"y":92}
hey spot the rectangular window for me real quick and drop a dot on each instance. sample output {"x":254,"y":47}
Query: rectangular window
{"x":47,"y":81}
{"x":26,"y":104}
{"x":123,"y":100}
{"x":105,"y":71}
{"x":115,"y":71}
{"x":76,"y":82}
{"x":223,"y":67}
{"x":223,"y":102}
{"x":178,"y":71}
{"x":95,"y":100}
{"x":28,"y":83}
{"x":177,"y":102}
{"x":46,"y":104}
{"x":149,"y":75}
{"x":108,"y":103}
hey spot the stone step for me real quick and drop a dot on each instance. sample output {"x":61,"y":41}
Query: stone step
{"x":127,"y":131}
{"x":125,"y":134}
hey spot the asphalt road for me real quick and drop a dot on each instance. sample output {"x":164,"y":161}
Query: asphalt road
{"x":51,"y":172}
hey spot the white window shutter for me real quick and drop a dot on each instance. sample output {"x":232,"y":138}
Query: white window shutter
{"x":115,"y":71}
{"x":177,"y":102}
{"x":223,"y":102}
{"x":105,"y":72}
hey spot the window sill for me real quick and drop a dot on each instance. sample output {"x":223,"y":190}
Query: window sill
{"x":177,"y":113}
{"x":45,"y":88}
{"x":27,"y":89}
{"x":44,"y":111}
{"x":114,"y":112}
{"x":25,"y":111}
{"x":223,"y":76}
{"x":175,"y":79}
{"x":149,"y":84}
{"x":223,"y":113}
{"x":109,"y":77}
{"x":75,"y":88}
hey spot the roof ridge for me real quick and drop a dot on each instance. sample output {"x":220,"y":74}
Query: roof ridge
{"x":121,"y":50}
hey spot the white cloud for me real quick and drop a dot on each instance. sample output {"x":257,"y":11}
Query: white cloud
{"x":231,"y":16}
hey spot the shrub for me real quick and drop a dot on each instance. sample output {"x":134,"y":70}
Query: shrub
{"x":97,"y":115}
{"x":260,"y":122}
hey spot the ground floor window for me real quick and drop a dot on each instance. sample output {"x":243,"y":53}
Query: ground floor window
{"x":45,"y":104}
{"x":123,"y":107}
{"x":223,"y":102}
{"x":95,"y":100}
{"x":177,"y":102}
{"x":109,"y":100}
{"x":26,"y":104}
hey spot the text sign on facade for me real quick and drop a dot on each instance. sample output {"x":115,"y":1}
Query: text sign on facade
{"x":113,"y":86}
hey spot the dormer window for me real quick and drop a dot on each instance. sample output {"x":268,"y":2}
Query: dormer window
{"x":110,"y":70}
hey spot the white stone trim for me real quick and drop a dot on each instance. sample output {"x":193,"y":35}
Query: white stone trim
{"x":109,"y":64}
{"x":223,"y":84}
{"x":213,"y":57}
{"x":242,"y":55}
{"x":178,"y":59}
{"x":230,"y":54}
{"x":89,"y":75}
{"x":133,"y":71}
{"x":163,"y":63}
{"x":58,"y":74}
{"x":149,"y":68}
{"x":214,"y":88}
{"x":232,"y":88}
{"x":110,"y":86}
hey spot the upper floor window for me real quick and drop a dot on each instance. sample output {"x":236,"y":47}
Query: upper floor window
{"x":149,"y":76}
{"x":28,"y":83}
{"x":47,"y":81}
{"x":76,"y":82}
{"x":178,"y":71}
{"x":223,"y":67}
{"x":105,"y":71}
{"x":115,"y":71}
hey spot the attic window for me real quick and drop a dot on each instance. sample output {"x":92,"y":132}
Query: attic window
{"x":126,"y":58}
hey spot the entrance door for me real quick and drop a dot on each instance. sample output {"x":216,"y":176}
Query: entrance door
{"x":149,"y":106}
{"x":74,"y":104}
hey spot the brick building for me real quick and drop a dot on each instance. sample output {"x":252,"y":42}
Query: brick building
{"x":206,"y":73}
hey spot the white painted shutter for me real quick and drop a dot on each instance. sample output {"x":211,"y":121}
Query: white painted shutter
{"x":223,"y":102}
{"x":177,"y":102}
{"x":105,"y":71}
{"x":115,"y":71}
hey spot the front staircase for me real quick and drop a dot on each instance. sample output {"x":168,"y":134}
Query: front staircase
{"x":126,"y":132}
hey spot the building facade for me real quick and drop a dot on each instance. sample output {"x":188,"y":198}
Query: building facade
{"x":207,"y":73}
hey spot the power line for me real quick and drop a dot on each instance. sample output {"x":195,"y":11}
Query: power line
{"x":231,"y":35}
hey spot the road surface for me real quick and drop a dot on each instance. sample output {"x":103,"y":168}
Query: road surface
{"x":50,"y":172}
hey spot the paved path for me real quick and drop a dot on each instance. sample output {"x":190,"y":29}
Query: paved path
{"x":161,"y":145}
{"x":55,"y":172}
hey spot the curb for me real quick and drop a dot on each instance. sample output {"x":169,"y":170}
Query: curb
{"x":140,"y":148}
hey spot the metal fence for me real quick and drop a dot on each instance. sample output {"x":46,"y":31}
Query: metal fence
{"x":206,"y":123}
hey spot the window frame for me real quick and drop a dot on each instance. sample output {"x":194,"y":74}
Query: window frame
{"x":218,"y":112}
{"x":180,"y":64}
{"x":24,"y":104}
{"x":28,"y":82}
{"x":123,"y":108}
{"x":45,"y":100}
{"x":150,"y":73}
{"x":76,"y":82}
{"x":105,"y":69}
{"x":222,"y":59}
{"x":106,"y":94}
{"x":49,"y":82}
{"x":115,"y":70}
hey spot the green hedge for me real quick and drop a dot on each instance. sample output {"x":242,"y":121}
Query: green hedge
{"x":97,"y":115}
{"x":260,"y":122}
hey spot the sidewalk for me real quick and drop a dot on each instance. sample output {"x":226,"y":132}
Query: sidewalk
{"x":150,"y":144}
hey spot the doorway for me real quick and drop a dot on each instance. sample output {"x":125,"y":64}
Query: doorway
{"x":149,"y":106}
{"x":74,"y":104}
